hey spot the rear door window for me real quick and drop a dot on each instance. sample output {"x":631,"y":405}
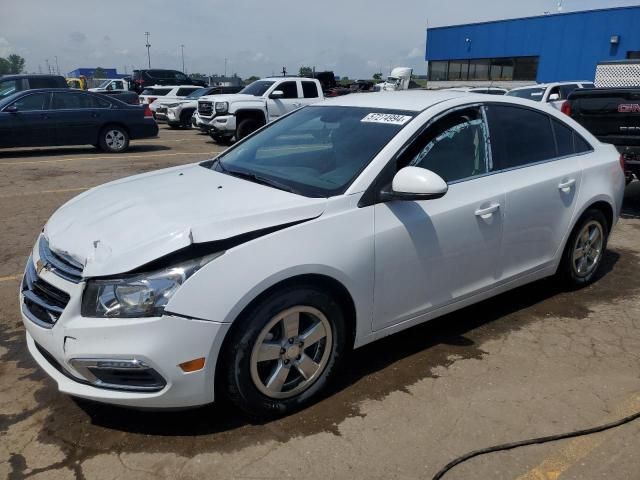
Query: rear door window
{"x":9,"y":87}
{"x":75,"y":101}
{"x":519,"y":136}
{"x":310,"y":89}
{"x":183,"y":92}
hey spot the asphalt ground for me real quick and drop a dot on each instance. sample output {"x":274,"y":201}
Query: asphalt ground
{"x":533,"y":362}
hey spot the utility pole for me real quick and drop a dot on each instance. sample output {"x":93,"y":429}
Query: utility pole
{"x":225,"y":67}
{"x":148,"y":45}
{"x":182,"y":48}
{"x":57,"y":66}
{"x":46,"y":60}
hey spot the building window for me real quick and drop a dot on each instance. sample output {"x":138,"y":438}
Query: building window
{"x":438,"y":71}
{"x":479,"y":69}
{"x":633,"y":55}
{"x":511,"y":68}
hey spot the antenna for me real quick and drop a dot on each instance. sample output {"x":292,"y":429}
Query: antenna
{"x":560,"y":5}
{"x":148,"y":45}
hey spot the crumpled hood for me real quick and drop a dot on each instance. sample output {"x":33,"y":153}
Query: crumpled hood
{"x":125,"y":224}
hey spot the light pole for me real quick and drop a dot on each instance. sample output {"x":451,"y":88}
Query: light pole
{"x":57,"y":66}
{"x":182,"y":48}
{"x":148,"y":45}
{"x":225,"y":67}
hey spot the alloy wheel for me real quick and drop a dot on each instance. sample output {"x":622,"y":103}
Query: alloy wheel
{"x":587,"y":250}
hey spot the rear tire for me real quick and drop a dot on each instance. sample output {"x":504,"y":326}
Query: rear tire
{"x":274,"y":381}
{"x":585,"y":248}
{"x":113,"y":139}
{"x":247,"y":127}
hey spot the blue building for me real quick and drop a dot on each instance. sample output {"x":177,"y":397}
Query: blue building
{"x":565,"y":46}
{"x":88,"y":72}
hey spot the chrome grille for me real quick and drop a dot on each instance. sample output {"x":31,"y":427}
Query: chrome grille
{"x":205,"y":108}
{"x":60,"y":264}
{"x":42,"y":302}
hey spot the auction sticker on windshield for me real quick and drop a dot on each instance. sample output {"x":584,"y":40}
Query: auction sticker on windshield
{"x":391,"y":118}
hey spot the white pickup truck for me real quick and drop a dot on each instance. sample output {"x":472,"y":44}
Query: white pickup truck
{"x":554,"y":94}
{"x":238,"y":115}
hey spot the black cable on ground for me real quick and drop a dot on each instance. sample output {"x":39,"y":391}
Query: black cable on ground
{"x":533,"y":441}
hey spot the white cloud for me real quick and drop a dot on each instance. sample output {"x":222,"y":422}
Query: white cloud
{"x":5,"y":47}
{"x":416,"y":53}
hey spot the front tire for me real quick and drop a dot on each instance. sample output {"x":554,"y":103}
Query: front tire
{"x":584,"y":250}
{"x":283,"y":351}
{"x":247,"y":127}
{"x":113,"y":139}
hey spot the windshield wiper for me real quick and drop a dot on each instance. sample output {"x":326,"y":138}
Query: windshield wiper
{"x":253,"y":177}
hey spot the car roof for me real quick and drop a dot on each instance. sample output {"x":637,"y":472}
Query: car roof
{"x":409,"y":100}
{"x":275,"y":79}
{"x":29,"y":75}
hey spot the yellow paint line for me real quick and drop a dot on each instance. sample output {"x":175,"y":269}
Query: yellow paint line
{"x":110,"y":157}
{"x":561,"y":460}
{"x":10,"y":278}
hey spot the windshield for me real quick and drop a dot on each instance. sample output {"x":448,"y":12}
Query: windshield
{"x":104,"y":84}
{"x":530,"y":93}
{"x":156,"y":91}
{"x":197,"y":93}
{"x":315,"y":151}
{"x":257,"y":88}
{"x":9,"y":87}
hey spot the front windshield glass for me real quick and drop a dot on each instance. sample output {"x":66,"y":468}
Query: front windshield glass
{"x":104,"y":84}
{"x":197,"y":93}
{"x":257,"y":88}
{"x":9,"y":87}
{"x":316,"y":151}
{"x":530,"y":93}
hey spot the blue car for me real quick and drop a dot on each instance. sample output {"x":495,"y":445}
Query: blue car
{"x":52,"y":117}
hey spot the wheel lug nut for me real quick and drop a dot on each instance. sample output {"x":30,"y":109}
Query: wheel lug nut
{"x":301,"y":344}
{"x":298,"y":357}
{"x":291,"y":340}
{"x":282,"y":351}
{"x":286,"y":362}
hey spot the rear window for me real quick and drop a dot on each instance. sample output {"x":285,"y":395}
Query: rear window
{"x":158,"y":92}
{"x":166,"y":74}
{"x":310,"y":89}
{"x":535,"y":94}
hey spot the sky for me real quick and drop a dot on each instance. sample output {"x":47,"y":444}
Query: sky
{"x":354,"y":38}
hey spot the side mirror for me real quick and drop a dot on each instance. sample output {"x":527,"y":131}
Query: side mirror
{"x":276,"y":94}
{"x":554,"y":97}
{"x":11,"y":109}
{"x":415,"y":183}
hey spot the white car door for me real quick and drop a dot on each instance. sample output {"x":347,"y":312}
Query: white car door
{"x":535,"y":157}
{"x":287,"y":102}
{"x":433,"y":252}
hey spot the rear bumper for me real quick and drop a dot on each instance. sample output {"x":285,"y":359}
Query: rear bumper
{"x":147,"y":129}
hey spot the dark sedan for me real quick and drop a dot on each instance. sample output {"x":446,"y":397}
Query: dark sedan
{"x":51,"y":117}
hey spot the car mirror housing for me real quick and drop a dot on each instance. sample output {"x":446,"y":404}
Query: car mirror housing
{"x":11,"y":109}
{"x":554,"y":97}
{"x":415,"y":183}
{"x":277,"y":94}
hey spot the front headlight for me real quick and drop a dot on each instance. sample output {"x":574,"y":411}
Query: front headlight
{"x":141,"y":295}
{"x":222,"y":107}
{"x":172,"y":105}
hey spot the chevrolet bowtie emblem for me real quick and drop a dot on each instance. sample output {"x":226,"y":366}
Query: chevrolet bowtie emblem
{"x":40,"y":265}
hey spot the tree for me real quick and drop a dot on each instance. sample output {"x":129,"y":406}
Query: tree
{"x":305,"y":72}
{"x":99,"y":73}
{"x":345,"y":81}
{"x":5,"y":66}
{"x":377,"y":76}
{"x":251,"y":79}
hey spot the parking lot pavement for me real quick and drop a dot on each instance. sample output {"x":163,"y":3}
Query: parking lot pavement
{"x":536,"y":361}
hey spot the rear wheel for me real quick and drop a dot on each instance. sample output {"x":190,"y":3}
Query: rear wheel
{"x":185,"y":119}
{"x":284,"y":351}
{"x":584,"y":251}
{"x":114,"y":139}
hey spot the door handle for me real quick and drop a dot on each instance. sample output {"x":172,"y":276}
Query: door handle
{"x":488,"y":211}
{"x":566,"y":185}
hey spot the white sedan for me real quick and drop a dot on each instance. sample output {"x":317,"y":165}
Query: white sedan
{"x":250,"y":275}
